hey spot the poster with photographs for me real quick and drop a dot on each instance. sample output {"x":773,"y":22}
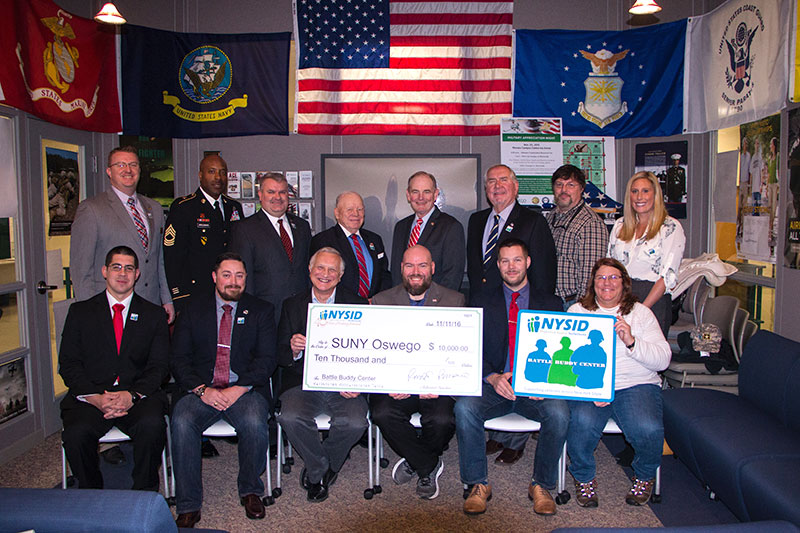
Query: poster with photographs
{"x":668,"y":161}
{"x":247,"y":184}
{"x":792,"y":245}
{"x":757,"y":198}
{"x":13,"y":390}
{"x":156,"y":170}
{"x":63,"y":185}
{"x":234,"y":185}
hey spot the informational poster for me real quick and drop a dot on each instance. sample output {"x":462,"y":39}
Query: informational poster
{"x":13,"y":390}
{"x":306,"y":184}
{"x":248,"y":185}
{"x":292,"y":180}
{"x":234,"y":185}
{"x":757,"y":206}
{"x":533,"y":148}
{"x":792,"y":245}
{"x":565,"y":355}
{"x":668,"y":161}
{"x":596,"y":156}
{"x":63,"y":186}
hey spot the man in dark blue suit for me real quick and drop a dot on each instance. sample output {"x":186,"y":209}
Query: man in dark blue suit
{"x":498,"y":398}
{"x":223,"y":353}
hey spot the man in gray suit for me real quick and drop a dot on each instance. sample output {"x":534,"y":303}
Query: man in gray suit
{"x":116,"y":217}
{"x":420,"y":455}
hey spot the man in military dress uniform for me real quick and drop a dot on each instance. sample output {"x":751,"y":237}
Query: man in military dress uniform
{"x":197,"y":232}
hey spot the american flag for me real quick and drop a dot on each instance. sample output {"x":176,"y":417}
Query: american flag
{"x":403,"y":67}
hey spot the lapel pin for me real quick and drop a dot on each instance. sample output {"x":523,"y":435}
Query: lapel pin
{"x":510,"y":227}
{"x":240,"y":320}
{"x":134,"y":317}
{"x":245,"y":311}
{"x":372,"y":247}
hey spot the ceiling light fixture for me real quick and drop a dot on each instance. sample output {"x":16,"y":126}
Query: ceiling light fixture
{"x":644,"y":7}
{"x":110,"y":15}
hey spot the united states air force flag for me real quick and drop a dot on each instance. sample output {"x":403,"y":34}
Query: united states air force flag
{"x":192,"y":85}
{"x":613,"y":83}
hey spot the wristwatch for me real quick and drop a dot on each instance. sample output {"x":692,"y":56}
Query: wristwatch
{"x":135,"y":397}
{"x":199,"y":391}
{"x":631,"y":345}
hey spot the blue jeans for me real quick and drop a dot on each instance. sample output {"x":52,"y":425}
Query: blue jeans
{"x":190,"y":417}
{"x":638,"y":412}
{"x":472,"y":411}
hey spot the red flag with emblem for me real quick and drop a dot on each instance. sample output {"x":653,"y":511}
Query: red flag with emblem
{"x":58,"y":66}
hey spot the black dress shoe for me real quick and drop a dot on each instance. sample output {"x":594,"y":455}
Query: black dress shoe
{"x":113,"y":456}
{"x":508,"y":456}
{"x":188,"y":520}
{"x":317,"y":492}
{"x":207,"y":449}
{"x":253,"y":507}
{"x":304,"y":479}
{"x":329,"y":478}
{"x":492,"y":447}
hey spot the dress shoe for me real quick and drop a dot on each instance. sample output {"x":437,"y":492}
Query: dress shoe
{"x":509,"y":456}
{"x":113,"y":456}
{"x":253,"y":507}
{"x":188,"y":520}
{"x":317,"y":492}
{"x":304,"y":479}
{"x":479,"y":494}
{"x":492,"y":447}
{"x":542,"y":501}
{"x":207,"y":449}
{"x":329,"y":478}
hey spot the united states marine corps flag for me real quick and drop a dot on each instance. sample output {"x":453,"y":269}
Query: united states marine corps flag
{"x":58,"y":66}
{"x":192,"y":85}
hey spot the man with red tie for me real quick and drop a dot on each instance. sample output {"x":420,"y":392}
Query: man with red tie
{"x":223,"y":353}
{"x":114,"y":357}
{"x":500,"y":307}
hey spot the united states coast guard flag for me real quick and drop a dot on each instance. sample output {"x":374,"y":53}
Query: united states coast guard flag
{"x":737,"y":61}
{"x":611,"y":83}
{"x":192,"y":85}
{"x":58,"y":66}
{"x":404,"y":67}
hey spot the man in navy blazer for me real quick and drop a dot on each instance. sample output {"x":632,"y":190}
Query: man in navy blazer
{"x":514,"y":221}
{"x":348,"y":410}
{"x":274,"y":273}
{"x":113,"y":358}
{"x":223,"y":353}
{"x":349,"y":214}
{"x":498,"y":398}
{"x":440,"y":233}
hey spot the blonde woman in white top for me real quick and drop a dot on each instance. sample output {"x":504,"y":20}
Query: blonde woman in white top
{"x":649,"y":243}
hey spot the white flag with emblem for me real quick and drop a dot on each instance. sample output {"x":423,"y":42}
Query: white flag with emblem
{"x":737,"y":64}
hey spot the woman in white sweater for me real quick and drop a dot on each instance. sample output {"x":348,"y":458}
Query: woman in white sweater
{"x":641,"y":352}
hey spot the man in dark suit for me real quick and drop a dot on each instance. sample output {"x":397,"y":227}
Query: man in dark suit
{"x":440,"y":233}
{"x":507,"y":219}
{"x":500,"y":307}
{"x":274,"y":244}
{"x":348,"y":410}
{"x":223,"y":353}
{"x":366,"y":265}
{"x":420,"y":455}
{"x":197,"y":232}
{"x":114,"y":358}
{"x":119,"y":216}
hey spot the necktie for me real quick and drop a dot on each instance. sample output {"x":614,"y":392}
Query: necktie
{"x":412,"y":241}
{"x":287,"y":242}
{"x":363,"y":277}
{"x":117,"y":320}
{"x":218,"y":210}
{"x":141,"y":229}
{"x":492,"y":241}
{"x":222,"y":368}
{"x":513,"y":311}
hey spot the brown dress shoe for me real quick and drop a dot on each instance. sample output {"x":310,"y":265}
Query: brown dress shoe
{"x":479,"y":494}
{"x":542,"y":501}
{"x":509,"y":456}
{"x":492,"y":447}
{"x":188,"y":520}
{"x":253,"y":507}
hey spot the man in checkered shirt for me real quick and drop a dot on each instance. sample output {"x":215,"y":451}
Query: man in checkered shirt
{"x":580,"y":235}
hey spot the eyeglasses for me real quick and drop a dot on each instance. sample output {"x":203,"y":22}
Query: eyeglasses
{"x":121,"y":165}
{"x":116,"y":267}
{"x":612,"y":277}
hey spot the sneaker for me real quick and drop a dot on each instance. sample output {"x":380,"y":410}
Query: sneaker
{"x":428,"y":486}
{"x":402,"y":472}
{"x":479,"y":494}
{"x":640,"y":492}
{"x":542,"y":501}
{"x":586,"y":493}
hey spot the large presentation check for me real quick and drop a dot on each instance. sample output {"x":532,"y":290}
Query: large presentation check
{"x":398,"y":349}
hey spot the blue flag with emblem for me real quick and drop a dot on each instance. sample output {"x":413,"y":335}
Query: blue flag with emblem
{"x":192,"y":85}
{"x":613,"y":83}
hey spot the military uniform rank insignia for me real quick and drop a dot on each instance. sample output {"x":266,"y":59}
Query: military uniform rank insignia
{"x":169,"y":236}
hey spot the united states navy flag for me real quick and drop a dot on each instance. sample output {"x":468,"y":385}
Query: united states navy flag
{"x":192,"y":85}
{"x":616,"y":83}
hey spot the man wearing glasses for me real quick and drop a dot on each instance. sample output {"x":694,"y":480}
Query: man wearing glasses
{"x":119,"y":216}
{"x":581,"y":237}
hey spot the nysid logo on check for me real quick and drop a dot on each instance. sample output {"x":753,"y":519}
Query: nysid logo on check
{"x":340,"y":314}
